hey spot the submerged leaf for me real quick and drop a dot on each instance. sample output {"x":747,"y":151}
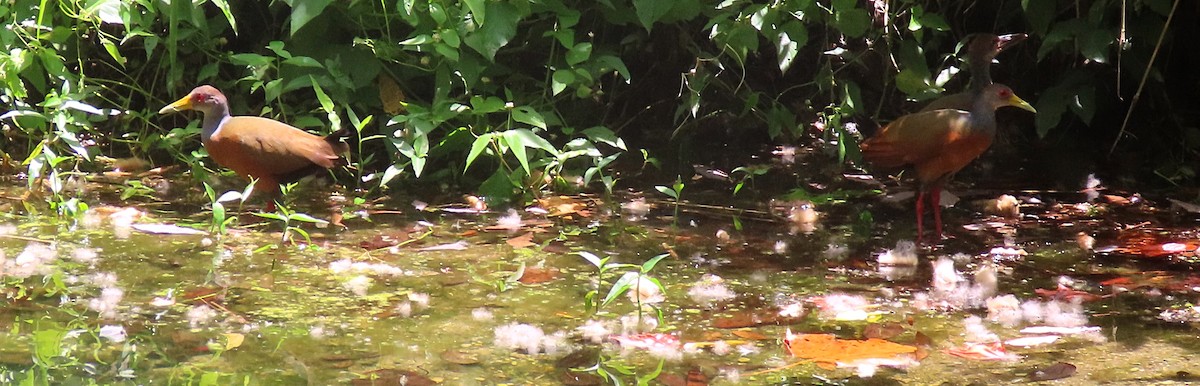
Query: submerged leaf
{"x":828,"y":349}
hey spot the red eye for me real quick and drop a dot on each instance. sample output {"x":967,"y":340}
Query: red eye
{"x":1005,"y":94}
{"x":199,"y":98}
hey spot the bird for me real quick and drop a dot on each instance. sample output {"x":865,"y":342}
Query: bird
{"x":939,"y":143}
{"x":260,"y":148}
{"x":982,"y":49}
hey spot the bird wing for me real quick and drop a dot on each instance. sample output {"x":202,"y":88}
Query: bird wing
{"x":959,"y":101}
{"x":261,"y":146}
{"x":915,"y":138}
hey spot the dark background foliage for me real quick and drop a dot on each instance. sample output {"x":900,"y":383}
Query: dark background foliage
{"x":509,"y":97}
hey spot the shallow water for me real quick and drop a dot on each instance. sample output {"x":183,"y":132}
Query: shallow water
{"x":369,"y":300}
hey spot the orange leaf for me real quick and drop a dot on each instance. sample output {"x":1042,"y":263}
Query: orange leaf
{"x":827,"y":350}
{"x":747,"y":334}
{"x":522,"y":241}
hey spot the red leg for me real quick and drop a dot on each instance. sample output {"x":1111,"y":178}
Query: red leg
{"x":937,"y":210}
{"x":920,"y":213}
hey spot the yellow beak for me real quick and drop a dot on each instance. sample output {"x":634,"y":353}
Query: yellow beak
{"x":1014,"y":101}
{"x":184,"y":103}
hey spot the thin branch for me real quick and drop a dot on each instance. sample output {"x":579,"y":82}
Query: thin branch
{"x":1145,"y":75}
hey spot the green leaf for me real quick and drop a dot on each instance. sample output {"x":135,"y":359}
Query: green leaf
{"x":304,"y":11}
{"x":532,"y":140}
{"x":649,"y":264}
{"x":560,"y":80}
{"x":517,"y":146}
{"x":608,"y":63}
{"x":500,"y":28}
{"x":529,"y":116}
{"x":326,"y":103}
{"x":304,"y":217}
{"x":667,"y":191}
{"x":113,"y":51}
{"x":223,"y":5}
{"x":651,"y":11}
{"x":1095,"y":44}
{"x":852,"y":22}
{"x":303,"y":61}
{"x":1040,"y":14}
{"x":1084,"y":103}
{"x":478,"y":10}
{"x":579,"y":53}
{"x":486,"y":105}
{"x":620,"y":287}
{"x":592,"y":258}
{"x":604,"y":135}
{"x":481,"y":143}
{"x":791,"y":38}
{"x":390,"y":173}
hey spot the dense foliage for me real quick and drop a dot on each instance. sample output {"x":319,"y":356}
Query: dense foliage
{"x":510,"y":97}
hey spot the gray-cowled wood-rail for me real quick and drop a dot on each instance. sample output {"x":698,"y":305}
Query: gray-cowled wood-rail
{"x":270,"y":151}
{"x":939,"y":143}
{"x":982,"y":49}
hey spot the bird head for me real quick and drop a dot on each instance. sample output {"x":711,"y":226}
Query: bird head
{"x":986,"y":46}
{"x":1000,"y":95}
{"x":204,"y":99}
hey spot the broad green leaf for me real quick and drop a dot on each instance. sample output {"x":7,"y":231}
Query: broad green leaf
{"x":560,"y":80}
{"x":303,"y":61}
{"x":517,"y":146}
{"x":326,"y":103}
{"x":303,"y":11}
{"x":1040,"y":14}
{"x":501,"y":26}
{"x":1095,"y":44}
{"x":591,"y":258}
{"x":649,"y":264}
{"x":790,"y":39}
{"x":390,"y":173}
{"x":612,"y":63}
{"x":481,"y":143}
{"x":486,"y":105}
{"x":852,"y":22}
{"x":304,"y":217}
{"x":650,"y":11}
{"x":529,"y":116}
{"x":532,"y":140}
{"x":478,"y":10}
{"x":223,"y":5}
{"x":113,"y":51}
{"x":620,"y":287}
{"x":667,"y":191}
{"x":604,"y":135}
{"x":579,"y":53}
{"x":250,"y":60}
{"x":1084,"y":103}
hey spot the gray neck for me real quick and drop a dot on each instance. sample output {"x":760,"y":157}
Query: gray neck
{"x":214,"y":118}
{"x":983,"y":117}
{"x":981,"y":73}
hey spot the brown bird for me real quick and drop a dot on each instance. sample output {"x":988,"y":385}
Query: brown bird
{"x":255,"y":147}
{"x":939,"y":143}
{"x":982,"y":49}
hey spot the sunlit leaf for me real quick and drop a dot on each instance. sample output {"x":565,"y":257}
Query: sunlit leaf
{"x":620,"y":287}
{"x":477,"y":148}
{"x":529,"y":116}
{"x":233,"y":340}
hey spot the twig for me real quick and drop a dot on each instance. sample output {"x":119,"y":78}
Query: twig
{"x":1145,"y":75}
{"x":780,"y":368}
{"x":29,"y":239}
